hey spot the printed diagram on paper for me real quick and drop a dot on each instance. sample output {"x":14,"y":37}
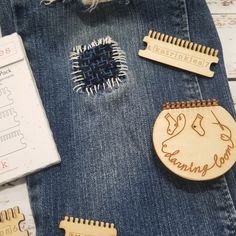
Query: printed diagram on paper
{"x":11,"y":137}
{"x":224,"y":15}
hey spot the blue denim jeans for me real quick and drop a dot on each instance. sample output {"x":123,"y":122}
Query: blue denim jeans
{"x":109,"y":170}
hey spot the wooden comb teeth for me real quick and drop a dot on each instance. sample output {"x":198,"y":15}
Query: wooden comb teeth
{"x":179,"y":53}
{"x":82,"y":227}
{"x":183,"y":43}
{"x":190,"y":104}
{"x":9,"y":222}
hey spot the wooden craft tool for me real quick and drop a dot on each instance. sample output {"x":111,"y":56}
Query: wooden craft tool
{"x":80,"y":227}
{"x":179,"y":53}
{"x":196,"y":139}
{"x":10,"y":221}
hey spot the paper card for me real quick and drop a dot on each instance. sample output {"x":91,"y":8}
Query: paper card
{"x":26,"y":141}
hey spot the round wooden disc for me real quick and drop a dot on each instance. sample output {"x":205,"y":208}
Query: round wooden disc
{"x":196,"y":143}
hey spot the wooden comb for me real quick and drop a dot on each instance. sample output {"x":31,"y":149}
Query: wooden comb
{"x":80,"y":227}
{"x":179,"y":53}
{"x":9,"y":222}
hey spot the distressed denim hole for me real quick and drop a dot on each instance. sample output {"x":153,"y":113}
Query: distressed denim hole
{"x":89,"y":4}
{"x":99,"y":66}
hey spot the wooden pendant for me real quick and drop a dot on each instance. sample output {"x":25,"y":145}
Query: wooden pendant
{"x":76,"y":227}
{"x":9,"y":222}
{"x":196,"y":140}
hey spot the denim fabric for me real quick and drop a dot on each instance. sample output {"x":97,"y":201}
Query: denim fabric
{"x":109,"y":170}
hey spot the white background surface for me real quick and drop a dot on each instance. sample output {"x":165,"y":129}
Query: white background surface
{"x":224,"y":14}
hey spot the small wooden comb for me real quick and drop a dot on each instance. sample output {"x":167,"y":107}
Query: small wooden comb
{"x":80,"y":227}
{"x":179,"y":53}
{"x":9,"y":222}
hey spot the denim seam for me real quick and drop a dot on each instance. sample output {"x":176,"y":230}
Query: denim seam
{"x":14,"y":15}
{"x":230,"y":212}
{"x":192,"y":88}
{"x":189,"y":37}
{"x":228,"y":205}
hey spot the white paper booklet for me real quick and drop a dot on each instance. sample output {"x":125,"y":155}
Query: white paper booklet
{"x":26,"y":141}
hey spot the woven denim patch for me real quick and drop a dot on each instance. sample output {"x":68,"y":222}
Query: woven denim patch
{"x":98,"y":66}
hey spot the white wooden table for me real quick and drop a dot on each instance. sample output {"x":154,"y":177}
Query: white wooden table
{"x":224,"y":15}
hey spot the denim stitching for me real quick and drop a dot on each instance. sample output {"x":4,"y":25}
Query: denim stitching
{"x":14,"y":15}
{"x":226,"y":205}
{"x":197,"y":86}
{"x":98,"y":66}
{"x":222,"y":183}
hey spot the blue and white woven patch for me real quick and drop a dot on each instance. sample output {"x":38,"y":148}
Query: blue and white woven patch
{"x":99,"y":66}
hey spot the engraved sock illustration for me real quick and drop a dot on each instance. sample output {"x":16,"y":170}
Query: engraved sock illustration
{"x":197,"y":125}
{"x":172,"y":124}
{"x":5,"y":99}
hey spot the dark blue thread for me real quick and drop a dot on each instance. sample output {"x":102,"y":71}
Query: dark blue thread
{"x":99,"y":67}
